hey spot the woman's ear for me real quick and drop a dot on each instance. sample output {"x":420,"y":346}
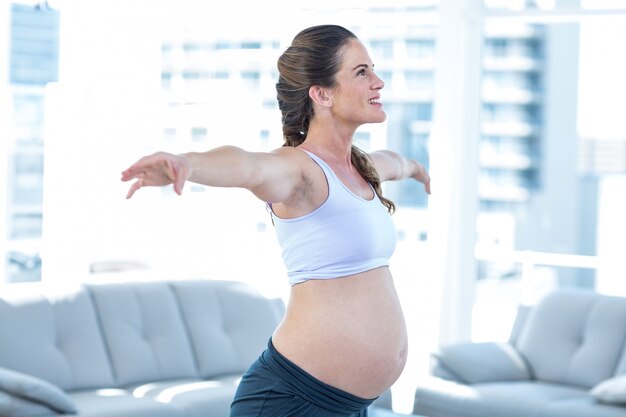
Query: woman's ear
{"x":320,"y":95}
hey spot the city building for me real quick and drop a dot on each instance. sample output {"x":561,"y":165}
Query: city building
{"x":33,"y":59}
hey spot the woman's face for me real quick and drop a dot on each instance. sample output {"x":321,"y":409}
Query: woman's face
{"x":356,"y":97}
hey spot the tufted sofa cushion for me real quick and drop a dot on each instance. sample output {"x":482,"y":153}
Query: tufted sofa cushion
{"x":228,"y":323}
{"x":53,"y":337}
{"x":571,"y":337}
{"x":130,"y":349}
{"x":144,"y":332}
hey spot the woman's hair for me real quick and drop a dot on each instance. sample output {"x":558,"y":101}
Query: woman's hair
{"x":314,"y":58}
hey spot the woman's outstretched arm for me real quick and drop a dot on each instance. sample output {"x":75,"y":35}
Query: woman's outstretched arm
{"x":272,"y":177}
{"x":392,"y":166}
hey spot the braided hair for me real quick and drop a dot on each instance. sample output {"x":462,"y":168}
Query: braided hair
{"x":314,"y":58}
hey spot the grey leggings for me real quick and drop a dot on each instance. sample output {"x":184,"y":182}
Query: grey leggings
{"x":273,"y":386}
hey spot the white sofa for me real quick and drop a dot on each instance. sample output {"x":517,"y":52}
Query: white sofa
{"x":137,"y":349}
{"x":566,"y":358}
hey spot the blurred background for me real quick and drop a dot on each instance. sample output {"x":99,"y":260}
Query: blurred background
{"x":517,"y":108}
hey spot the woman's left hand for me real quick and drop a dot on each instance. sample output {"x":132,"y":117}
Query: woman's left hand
{"x":422,"y":176}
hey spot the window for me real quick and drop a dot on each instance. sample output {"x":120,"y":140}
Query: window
{"x":32,"y":40}
{"x":382,"y":49}
{"x":169,"y":133}
{"x":420,"y":80}
{"x":166,"y":80}
{"x":251,"y":45}
{"x":538,"y":123}
{"x":251,"y":78}
{"x":420,"y":111}
{"x":420,"y":48}
{"x":198,"y":134}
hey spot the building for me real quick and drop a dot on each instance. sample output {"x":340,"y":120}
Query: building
{"x":33,"y":59}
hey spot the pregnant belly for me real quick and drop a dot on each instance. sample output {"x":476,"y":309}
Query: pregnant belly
{"x":347,"y":332}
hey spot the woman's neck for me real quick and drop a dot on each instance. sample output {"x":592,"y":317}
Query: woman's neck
{"x":329,"y":142}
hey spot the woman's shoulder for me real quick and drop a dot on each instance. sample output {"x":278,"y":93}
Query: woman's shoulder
{"x":297,"y":155}
{"x":298,"y":158}
{"x":290,"y":151}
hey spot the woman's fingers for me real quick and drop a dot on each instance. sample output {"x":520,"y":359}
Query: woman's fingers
{"x":156,"y":170}
{"x":136,"y":185}
{"x":179,"y":182}
{"x":127,"y":175}
{"x":140,"y":167}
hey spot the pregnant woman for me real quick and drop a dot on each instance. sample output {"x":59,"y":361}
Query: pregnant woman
{"x":343,"y":339}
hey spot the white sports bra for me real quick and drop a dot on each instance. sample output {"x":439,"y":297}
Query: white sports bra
{"x":344,"y":236}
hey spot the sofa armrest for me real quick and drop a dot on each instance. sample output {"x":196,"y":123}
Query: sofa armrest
{"x":523,"y":312}
{"x":472,"y":363}
{"x":22,"y":394}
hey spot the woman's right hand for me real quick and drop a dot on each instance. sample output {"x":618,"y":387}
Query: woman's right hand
{"x":158,"y":169}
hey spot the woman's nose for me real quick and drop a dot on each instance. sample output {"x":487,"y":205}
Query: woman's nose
{"x":378,"y":82}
